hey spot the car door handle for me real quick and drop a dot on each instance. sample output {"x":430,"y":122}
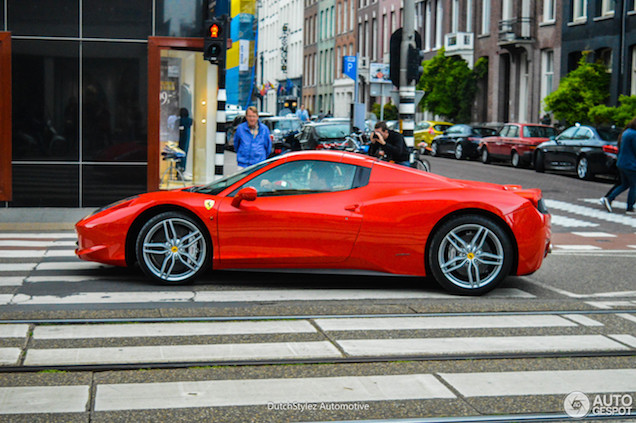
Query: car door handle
{"x":352,"y":207}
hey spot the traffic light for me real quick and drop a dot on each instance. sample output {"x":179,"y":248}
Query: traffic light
{"x":215,"y":40}
{"x":414,"y":68}
{"x":395,"y":48}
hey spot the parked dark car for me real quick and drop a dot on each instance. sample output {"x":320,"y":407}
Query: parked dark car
{"x":461,"y":141}
{"x":515,"y":143}
{"x":230,"y":127}
{"x":280,"y":128}
{"x":315,"y":135}
{"x":582,"y":149}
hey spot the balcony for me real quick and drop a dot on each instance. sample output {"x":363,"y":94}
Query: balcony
{"x":515,"y":31}
{"x":461,"y":44}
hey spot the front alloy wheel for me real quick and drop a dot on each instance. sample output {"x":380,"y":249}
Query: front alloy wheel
{"x":173,"y":248}
{"x":470,"y":255}
{"x":583,"y":168}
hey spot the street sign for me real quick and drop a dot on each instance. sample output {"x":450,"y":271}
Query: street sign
{"x":349,"y":66}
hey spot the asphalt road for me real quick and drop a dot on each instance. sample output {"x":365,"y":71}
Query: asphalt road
{"x":270,"y":346}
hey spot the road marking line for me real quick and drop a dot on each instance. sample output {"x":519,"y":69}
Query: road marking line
{"x":18,"y":330}
{"x":622,"y":294}
{"x":569,"y":222}
{"x":225,"y":393}
{"x":545,"y":382}
{"x":466,"y":345}
{"x":590,"y":212}
{"x":171,"y":329}
{"x":625,"y":339}
{"x":615,"y":204}
{"x":45,"y":279}
{"x":450,"y":322}
{"x":9,"y":357}
{"x":577,"y":247}
{"x":180,"y":353}
{"x":241,"y":296}
{"x":39,"y":235}
{"x":22,"y":253}
{"x":11,"y":280}
{"x":626,"y":316}
{"x":69,"y":265}
{"x":17,"y":267}
{"x":607,"y":305}
{"x":583,"y":320}
{"x":33,"y":243}
{"x":594,"y":234}
{"x":44,"y":399}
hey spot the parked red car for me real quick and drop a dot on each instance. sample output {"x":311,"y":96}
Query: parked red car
{"x":327,"y":210}
{"x":516,"y":143}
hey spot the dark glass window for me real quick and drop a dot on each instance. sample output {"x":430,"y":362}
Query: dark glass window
{"x":45,"y":81}
{"x":117,"y":18}
{"x":49,"y":185}
{"x":114,"y":96}
{"x":180,"y":18}
{"x":104,"y":184}
{"x":43,"y":17}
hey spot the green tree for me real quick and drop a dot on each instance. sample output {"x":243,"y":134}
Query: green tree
{"x":579,"y":91}
{"x":619,"y":116}
{"x":449,"y":86}
{"x":390,"y":111}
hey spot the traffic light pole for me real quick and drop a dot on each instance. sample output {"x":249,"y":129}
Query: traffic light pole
{"x":221,"y":98}
{"x":406,"y":107}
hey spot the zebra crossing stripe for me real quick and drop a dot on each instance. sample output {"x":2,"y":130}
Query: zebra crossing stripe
{"x":44,"y":399}
{"x":39,"y":235}
{"x":544,"y":382}
{"x":569,"y":222}
{"x":181,"y":353}
{"x":225,"y":393}
{"x":9,"y":356}
{"x":171,"y":329}
{"x":240,"y":296}
{"x":446,"y":322}
{"x":481,"y":345}
{"x":18,"y":330}
{"x":590,"y":212}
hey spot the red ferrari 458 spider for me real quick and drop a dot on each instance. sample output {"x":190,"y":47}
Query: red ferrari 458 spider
{"x":327,"y":210}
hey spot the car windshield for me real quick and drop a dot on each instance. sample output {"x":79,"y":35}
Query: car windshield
{"x":287,"y":125}
{"x":608,"y":134}
{"x":538,"y":132}
{"x":335,"y":131}
{"x":485,"y":132}
{"x":216,"y":187}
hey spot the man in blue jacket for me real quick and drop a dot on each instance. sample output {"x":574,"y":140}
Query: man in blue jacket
{"x":252,"y":142}
{"x":626,"y":164}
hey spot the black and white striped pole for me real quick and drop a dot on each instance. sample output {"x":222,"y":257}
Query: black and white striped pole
{"x":221,"y":98}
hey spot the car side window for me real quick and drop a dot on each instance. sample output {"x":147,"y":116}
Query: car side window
{"x":568,"y":134}
{"x":504,"y":131}
{"x":304,"y":177}
{"x":513,"y":132}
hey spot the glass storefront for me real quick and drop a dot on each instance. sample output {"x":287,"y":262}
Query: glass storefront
{"x":79,"y":85}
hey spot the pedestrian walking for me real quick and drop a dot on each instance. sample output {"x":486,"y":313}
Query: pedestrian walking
{"x":626,"y":164}
{"x":252,"y":141}
{"x":302,"y":114}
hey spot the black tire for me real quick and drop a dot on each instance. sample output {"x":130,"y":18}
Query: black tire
{"x":470,"y":255}
{"x":485,"y":155}
{"x":459,"y":151}
{"x":583,"y":169}
{"x":173,"y":248}
{"x":434,"y":149}
{"x":539,"y":162}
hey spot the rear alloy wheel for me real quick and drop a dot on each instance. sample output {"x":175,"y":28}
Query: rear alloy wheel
{"x":434,"y":151}
{"x":515,"y":159}
{"x":173,"y":248}
{"x":459,"y":151}
{"x":583,"y":168}
{"x":485,"y":155}
{"x":470,"y":255}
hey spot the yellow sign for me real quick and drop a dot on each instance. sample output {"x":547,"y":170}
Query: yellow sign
{"x":208,"y":204}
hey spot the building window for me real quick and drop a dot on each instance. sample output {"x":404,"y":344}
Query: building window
{"x":579,"y":10}
{"x":608,"y":7}
{"x":485,"y":17}
{"x":547,"y":73}
{"x":549,"y":11}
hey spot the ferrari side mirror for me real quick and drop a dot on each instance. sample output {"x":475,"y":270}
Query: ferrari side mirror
{"x":247,"y":194}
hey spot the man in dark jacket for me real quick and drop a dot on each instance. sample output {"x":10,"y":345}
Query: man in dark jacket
{"x":391,"y":143}
{"x":251,"y":140}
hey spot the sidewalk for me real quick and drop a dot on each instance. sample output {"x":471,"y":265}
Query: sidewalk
{"x":41,"y":218}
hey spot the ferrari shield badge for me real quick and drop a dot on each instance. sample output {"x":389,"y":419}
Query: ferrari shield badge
{"x":208,"y":204}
